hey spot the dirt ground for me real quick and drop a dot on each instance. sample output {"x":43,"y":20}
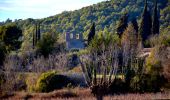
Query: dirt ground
{"x":81,"y":94}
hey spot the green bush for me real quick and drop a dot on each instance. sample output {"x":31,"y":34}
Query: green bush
{"x":46,"y":45}
{"x":31,"y":81}
{"x":50,"y":81}
{"x":147,"y":83}
{"x":2,"y":52}
{"x":118,"y":86}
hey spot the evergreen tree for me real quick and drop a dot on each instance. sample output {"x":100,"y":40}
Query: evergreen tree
{"x":10,"y":34}
{"x":33,"y":40}
{"x":123,"y":23}
{"x":38,"y":32}
{"x":135,"y":24}
{"x":37,"y":35}
{"x":91,"y":33}
{"x":146,"y":23}
{"x":155,"y":24}
{"x":2,"y":53}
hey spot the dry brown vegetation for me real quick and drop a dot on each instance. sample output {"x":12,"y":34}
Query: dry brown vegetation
{"x":83,"y":94}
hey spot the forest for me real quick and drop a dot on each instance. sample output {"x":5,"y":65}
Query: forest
{"x":126,"y":51}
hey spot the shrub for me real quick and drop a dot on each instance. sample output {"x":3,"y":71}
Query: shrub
{"x":10,"y":34}
{"x":73,"y":61}
{"x":31,"y":81}
{"x":50,"y":81}
{"x":166,"y":72}
{"x":147,"y":83}
{"x":46,"y":44}
{"x":19,"y":83}
{"x":117,"y":86}
{"x":128,"y":76}
{"x":2,"y":53}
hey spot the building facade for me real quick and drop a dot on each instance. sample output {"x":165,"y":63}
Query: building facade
{"x":74,"y":41}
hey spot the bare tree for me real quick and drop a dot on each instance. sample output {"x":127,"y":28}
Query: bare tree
{"x":131,"y":47}
{"x":53,"y":62}
{"x":100,"y":67}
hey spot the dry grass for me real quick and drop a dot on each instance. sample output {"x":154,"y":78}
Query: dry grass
{"x":84,"y":94}
{"x":145,"y":96}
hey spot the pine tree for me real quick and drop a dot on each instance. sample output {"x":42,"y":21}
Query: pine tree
{"x":91,"y":33}
{"x":155,"y":24}
{"x":146,"y":23}
{"x":135,"y":24}
{"x":123,"y":23}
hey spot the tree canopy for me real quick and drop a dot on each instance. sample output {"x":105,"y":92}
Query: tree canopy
{"x":11,"y":36}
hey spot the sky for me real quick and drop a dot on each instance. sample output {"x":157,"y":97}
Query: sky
{"x":22,"y":9}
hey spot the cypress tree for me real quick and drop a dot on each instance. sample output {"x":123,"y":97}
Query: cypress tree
{"x":155,"y":24}
{"x":91,"y":33}
{"x":123,"y":23}
{"x":33,"y":40}
{"x":135,"y":24}
{"x":146,"y":23}
{"x":38,"y":32}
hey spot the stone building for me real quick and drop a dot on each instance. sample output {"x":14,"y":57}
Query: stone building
{"x":74,"y":41}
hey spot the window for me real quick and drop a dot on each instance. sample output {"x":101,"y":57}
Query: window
{"x":71,"y":36}
{"x":77,"y":36}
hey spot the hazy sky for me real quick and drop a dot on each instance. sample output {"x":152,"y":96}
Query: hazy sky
{"x":21,"y":9}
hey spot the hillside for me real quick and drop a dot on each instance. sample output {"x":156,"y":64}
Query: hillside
{"x":105,"y":14}
{"x":113,"y":57}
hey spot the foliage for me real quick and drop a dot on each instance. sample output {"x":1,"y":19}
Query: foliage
{"x":165,"y":16}
{"x":155,"y":23}
{"x":46,"y":45}
{"x":103,"y":39}
{"x":2,"y":52}
{"x":158,"y":62}
{"x":31,"y":81}
{"x":162,"y":40}
{"x":91,"y":34}
{"x":135,"y":24}
{"x":146,"y":23}
{"x":118,"y":86}
{"x":10,"y":35}
{"x":153,"y":80}
{"x":104,"y":14}
{"x":50,"y":81}
{"x":102,"y":61}
{"x":123,"y":23}
{"x":129,"y":45}
{"x":166,"y":72}
{"x":147,"y":83}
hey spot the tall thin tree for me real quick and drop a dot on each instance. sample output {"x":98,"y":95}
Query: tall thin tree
{"x":123,"y":23}
{"x":155,"y":24}
{"x":33,"y":40}
{"x":91,"y":33}
{"x":38,"y":32}
{"x":146,"y":23}
{"x":135,"y":24}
